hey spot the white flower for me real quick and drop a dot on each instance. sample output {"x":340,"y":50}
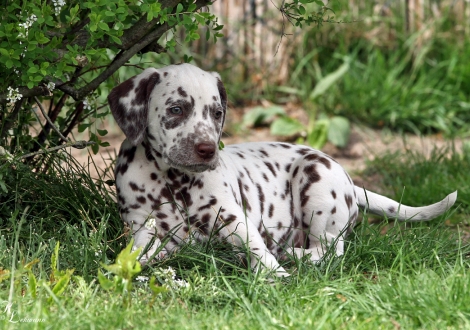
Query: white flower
{"x":169,"y":273}
{"x":151,"y":223}
{"x":181,"y":283}
{"x":14,"y":95}
{"x":87,"y":103}
{"x":50,"y":86}
{"x":142,"y":278}
{"x":58,"y":4}
{"x":23,"y":33}
{"x":169,"y":277}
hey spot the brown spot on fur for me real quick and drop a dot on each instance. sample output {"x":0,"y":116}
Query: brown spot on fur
{"x":182,"y":92}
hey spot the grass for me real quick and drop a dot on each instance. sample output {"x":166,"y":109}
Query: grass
{"x":413,"y":276}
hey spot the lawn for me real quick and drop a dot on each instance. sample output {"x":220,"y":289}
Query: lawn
{"x":392,"y":276}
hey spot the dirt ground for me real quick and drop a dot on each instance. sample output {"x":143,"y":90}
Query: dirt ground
{"x":364,"y":144}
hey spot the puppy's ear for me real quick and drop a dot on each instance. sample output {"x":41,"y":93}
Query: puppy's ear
{"x":222,"y":92}
{"x":129,"y":103}
{"x":223,"y":98}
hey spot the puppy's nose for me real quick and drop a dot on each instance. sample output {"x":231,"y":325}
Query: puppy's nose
{"x":205,"y":150}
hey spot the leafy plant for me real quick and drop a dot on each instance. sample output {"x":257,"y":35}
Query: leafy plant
{"x":320,"y":127}
{"x":63,"y":52}
{"x":125,"y":268}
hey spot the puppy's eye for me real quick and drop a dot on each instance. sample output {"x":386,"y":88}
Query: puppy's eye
{"x":218,"y":114}
{"x":176,"y":110}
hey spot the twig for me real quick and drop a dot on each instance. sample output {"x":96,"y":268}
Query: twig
{"x":77,"y":144}
{"x":49,"y":120}
{"x":9,"y":121}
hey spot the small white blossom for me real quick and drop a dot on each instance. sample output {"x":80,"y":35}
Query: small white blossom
{"x":50,"y":86}
{"x":151,"y":223}
{"x":58,"y":4}
{"x":181,"y":283}
{"x":87,"y":103}
{"x":142,"y":278}
{"x":14,"y":95}
{"x":169,"y":273}
{"x":26,"y":25}
{"x":169,"y":277}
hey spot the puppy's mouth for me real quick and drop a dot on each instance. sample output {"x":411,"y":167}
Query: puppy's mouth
{"x":192,"y":167}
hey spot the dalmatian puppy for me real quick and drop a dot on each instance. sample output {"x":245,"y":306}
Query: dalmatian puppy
{"x":173,"y":180}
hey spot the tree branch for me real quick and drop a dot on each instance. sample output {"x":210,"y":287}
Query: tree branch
{"x":134,"y":40}
{"x":26,"y":92}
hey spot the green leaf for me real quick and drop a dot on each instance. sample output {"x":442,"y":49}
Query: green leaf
{"x":116,"y":39}
{"x":32,"y":284}
{"x":32,"y":69}
{"x":55,"y":259}
{"x":9,"y":64}
{"x":286,"y":126}
{"x":126,"y":265}
{"x":318,"y":136}
{"x":338,"y":131}
{"x":95,"y":148}
{"x":326,"y":82}
{"x":62,"y":283}
{"x":83,"y":127}
{"x":261,"y":115}
{"x":179,"y":8}
{"x":200,"y":19}
{"x":103,"y":26}
{"x":31,"y":47}
{"x":104,"y":282}
{"x":221,"y":145}
{"x":102,"y":132}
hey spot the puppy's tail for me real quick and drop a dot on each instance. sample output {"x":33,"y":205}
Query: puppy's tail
{"x":381,"y":205}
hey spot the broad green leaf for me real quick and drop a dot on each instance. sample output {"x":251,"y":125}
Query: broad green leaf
{"x":103,"y":26}
{"x":326,"y":82}
{"x":318,"y":136}
{"x":32,"y":69}
{"x":62,"y":283}
{"x":126,"y":265}
{"x":338,"y":132}
{"x":286,"y":126}
{"x":5,"y":52}
{"x":261,"y":115}
{"x":104,"y":282}
{"x":179,"y":8}
{"x":102,"y":132}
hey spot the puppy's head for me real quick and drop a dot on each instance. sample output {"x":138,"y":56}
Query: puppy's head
{"x":179,"y":109}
